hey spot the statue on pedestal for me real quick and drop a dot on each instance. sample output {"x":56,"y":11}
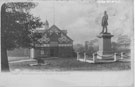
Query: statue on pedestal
{"x":104,"y":22}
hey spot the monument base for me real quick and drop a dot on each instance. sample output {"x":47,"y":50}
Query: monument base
{"x":105,"y":50}
{"x":105,"y":55}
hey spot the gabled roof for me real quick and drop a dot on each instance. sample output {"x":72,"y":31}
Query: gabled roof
{"x":54,"y":26}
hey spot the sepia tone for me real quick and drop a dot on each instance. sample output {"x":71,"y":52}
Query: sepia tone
{"x":85,"y":36}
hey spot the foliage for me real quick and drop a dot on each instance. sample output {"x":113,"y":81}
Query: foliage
{"x":123,"y":40}
{"x":79,"y":48}
{"x":90,"y":47}
{"x":115,"y":46}
{"x":18,"y":24}
{"x":122,"y":44}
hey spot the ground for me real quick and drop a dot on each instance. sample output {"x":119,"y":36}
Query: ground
{"x":69,"y":64}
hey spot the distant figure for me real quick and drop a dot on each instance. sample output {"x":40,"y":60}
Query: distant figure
{"x":104,"y":22}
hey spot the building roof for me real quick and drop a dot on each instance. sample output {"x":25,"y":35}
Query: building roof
{"x":54,"y":26}
{"x":47,"y":34}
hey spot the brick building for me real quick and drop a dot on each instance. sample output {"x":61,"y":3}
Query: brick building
{"x":54,"y":43}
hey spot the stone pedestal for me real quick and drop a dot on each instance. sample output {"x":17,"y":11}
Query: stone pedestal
{"x":105,"y":45}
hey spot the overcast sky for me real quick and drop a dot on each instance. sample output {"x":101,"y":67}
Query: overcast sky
{"x":82,"y":19}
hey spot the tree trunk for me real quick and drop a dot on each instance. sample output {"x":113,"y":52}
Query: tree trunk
{"x":4,"y":58}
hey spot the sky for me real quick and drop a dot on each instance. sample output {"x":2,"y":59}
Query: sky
{"x":82,"y":18}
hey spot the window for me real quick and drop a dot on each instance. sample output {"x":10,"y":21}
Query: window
{"x":42,"y":51}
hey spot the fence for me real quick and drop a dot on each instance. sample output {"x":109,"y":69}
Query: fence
{"x":94,"y":59}
{"x":86,"y":58}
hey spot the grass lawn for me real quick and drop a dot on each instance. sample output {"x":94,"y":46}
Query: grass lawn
{"x":70,"y":64}
{"x":17,"y":58}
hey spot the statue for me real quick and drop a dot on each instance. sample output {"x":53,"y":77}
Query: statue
{"x":104,"y":22}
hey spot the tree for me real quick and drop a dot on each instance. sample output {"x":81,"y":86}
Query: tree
{"x":123,"y":43}
{"x":123,"y":40}
{"x":93,"y":46}
{"x":86,"y":45}
{"x":17,"y":25}
{"x":114,"y":46}
{"x":79,"y":48}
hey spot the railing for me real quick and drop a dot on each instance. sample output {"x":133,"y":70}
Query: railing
{"x":123,"y":55}
{"x":95,"y":55}
{"x":85,"y":58}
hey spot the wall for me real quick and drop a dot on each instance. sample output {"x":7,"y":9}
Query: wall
{"x":19,"y":52}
